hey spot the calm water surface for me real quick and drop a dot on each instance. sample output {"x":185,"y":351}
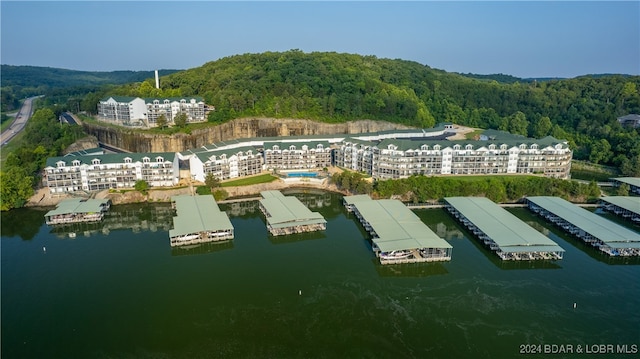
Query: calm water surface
{"x":118,"y":290}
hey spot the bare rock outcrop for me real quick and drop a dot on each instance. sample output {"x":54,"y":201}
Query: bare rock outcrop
{"x":138,"y":141}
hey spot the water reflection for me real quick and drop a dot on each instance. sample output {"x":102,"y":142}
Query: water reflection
{"x":409,"y":269}
{"x":22,"y":222}
{"x":137,"y":218}
{"x":297,"y":237}
{"x":202,"y":248}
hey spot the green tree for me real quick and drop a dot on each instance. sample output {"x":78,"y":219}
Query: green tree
{"x":211,"y":181}
{"x":161,"y":122}
{"x":542,"y":127}
{"x":600,"y":151}
{"x":16,"y":186}
{"x":180,"y":120}
{"x":518,"y":123}
{"x":623,"y":190}
{"x":142,"y":186}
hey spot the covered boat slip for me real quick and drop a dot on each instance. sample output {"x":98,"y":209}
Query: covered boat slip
{"x":198,"y":220}
{"x":501,"y":231}
{"x":593,"y":229}
{"x":398,"y":235}
{"x":287,"y":215}
{"x":627,"y":207}
{"x":77,"y":210}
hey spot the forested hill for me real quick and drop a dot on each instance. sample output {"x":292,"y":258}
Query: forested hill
{"x":336,"y":87}
{"x":34,"y":76}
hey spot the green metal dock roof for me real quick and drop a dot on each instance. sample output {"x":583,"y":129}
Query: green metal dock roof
{"x":611,"y":233}
{"x":510,"y":233}
{"x":633,"y":181}
{"x":78,"y":205}
{"x":198,"y":214}
{"x":287,"y":211}
{"x":397,"y":227}
{"x":631,"y":204}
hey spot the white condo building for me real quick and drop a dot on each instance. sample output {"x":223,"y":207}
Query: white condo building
{"x":145,"y":112}
{"x":74,"y":173}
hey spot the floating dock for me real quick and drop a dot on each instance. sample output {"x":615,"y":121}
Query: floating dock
{"x":501,"y":231}
{"x":624,"y":206}
{"x":198,"y":220}
{"x":77,"y":210}
{"x":611,"y":238}
{"x":398,"y":235}
{"x":287,"y":215}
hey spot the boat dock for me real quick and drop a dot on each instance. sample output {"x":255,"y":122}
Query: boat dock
{"x":610,"y":237}
{"x":624,"y":206}
{"x":501,"y":231}
{"x":198,"y":220}
{"x":78,"y":210}
{"x":398,"y":235}
{"x":287,"y":215}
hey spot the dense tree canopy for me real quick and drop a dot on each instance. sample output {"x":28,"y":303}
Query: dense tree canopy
{"x":340,"y":87}
{"x":44,"y":137}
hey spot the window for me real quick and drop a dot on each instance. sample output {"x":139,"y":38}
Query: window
{"x":456,"y":147}
{"x":468,"y":147}
{"x":292,"y":148}
{"x":503,"y":147}
{"x":95,"y":161}
{"x":146,"y":159}
{"x":76,"y":163}
{"x":60,"y":164}
{"x":523,"y":146}
{"x":424,"y":147}
{"x":159,"y":159}
{"x":492,"y":147}
{"x":436,"y":147}
{"x":127,"y":160}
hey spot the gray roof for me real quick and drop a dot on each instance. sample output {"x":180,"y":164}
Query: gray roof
{"x":205,"y":156}
{"x":287,"y":211}
{"x":510,"y":233}
{"x":631,"y":204}
{"x":87,"y":152}
{"x":396,"y":226}
{"x":78,"y":205}
{"x":285,"y":145}
{"x":198,"y":214}
{"x":414,"y":144}
{"x":110,"y":158}
{"x":611,"y":233}
{"x":632,"y":181}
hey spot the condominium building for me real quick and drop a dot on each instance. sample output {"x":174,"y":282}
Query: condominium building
{"x":226,"y":163}
{"x":99,"y":172}
{"x":501,"y":154}
{"x":290,"y":155}
{"x":145,"y":112}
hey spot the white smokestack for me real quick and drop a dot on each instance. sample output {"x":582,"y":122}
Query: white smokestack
{"x":157,"y":80}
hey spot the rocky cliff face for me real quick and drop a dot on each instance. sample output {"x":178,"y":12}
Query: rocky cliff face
{"x":241,"y":128}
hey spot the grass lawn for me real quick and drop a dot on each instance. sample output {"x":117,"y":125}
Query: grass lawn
{"x":264,"y":178}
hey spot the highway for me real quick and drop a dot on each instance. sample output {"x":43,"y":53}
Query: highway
{"x":19,"y":122}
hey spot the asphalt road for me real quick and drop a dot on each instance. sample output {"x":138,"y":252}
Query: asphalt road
{"x":19,"y":122}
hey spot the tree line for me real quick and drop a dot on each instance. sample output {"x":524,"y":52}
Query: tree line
{"x":501,"y":189}
{"x":44,"y":137}
{"x":336,"y":87}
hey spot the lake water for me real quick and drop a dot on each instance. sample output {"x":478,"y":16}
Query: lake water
{"x":118,"y":290}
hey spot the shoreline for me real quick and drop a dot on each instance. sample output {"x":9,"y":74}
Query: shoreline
{"x":43,"y":199}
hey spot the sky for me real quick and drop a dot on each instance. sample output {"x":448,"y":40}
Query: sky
{"x":522,"y":39}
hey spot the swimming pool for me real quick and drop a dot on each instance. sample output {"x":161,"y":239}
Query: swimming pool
{"x":302,"y":174}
